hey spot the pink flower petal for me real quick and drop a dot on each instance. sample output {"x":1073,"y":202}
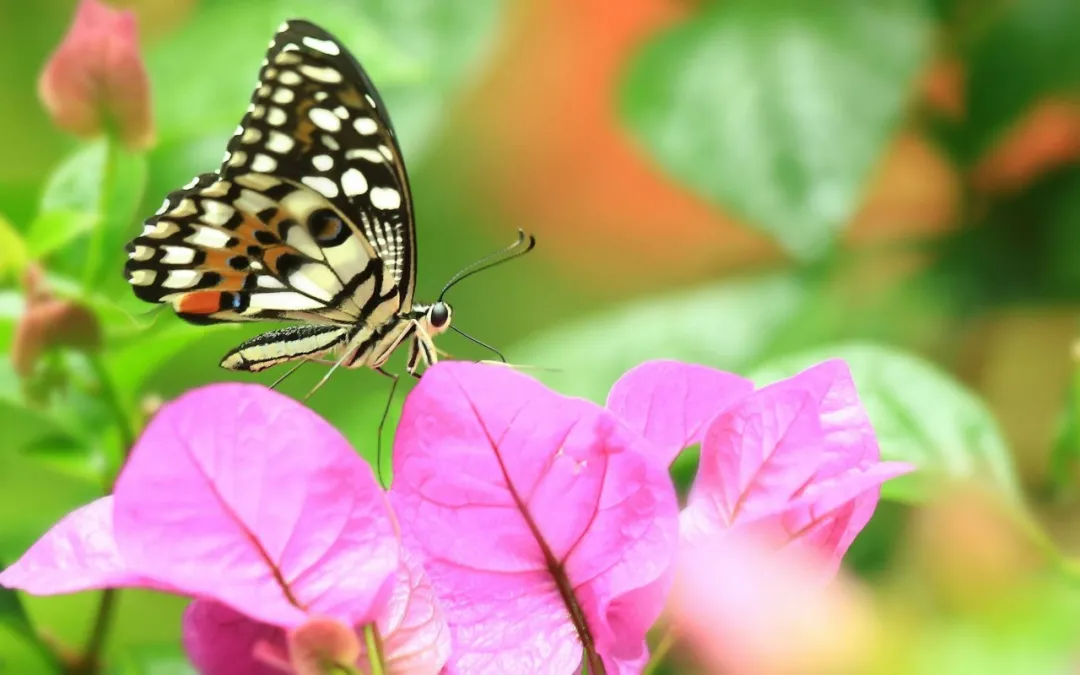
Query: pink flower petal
{"x":741,"y":608}
{"x":830,"y":513}
{"x":795,"y":462}
{"x":671,"y":403}
{"x":849,"y":436}
{"x":524,"y":503}
{"x":78,"y":554}
{"x":222,"y":641}
{"x":239,"y":494}
{"x":755,"y":459}
{"x":415,"y":637}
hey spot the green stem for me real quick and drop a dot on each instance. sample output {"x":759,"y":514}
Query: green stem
{"x":120,"y":414}
{"x":660,"y":653}
{"x":374,"y":649}
{"x":88,"y":663}
{"x":93,"y":253}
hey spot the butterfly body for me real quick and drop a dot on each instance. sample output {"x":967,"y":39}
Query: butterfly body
{"x":308,"y":219}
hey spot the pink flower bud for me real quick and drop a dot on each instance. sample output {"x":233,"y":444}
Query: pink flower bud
{"x":323,"y":646}
{"x":96,"y":79}
{"x":49,"y":322}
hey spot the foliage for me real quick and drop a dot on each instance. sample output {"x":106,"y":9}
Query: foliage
{"x":792,"y":118}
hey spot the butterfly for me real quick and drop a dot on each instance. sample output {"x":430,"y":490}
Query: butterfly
{"x":309,"y":219}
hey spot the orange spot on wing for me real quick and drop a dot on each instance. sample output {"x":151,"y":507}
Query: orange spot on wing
{"x":200,"y":302}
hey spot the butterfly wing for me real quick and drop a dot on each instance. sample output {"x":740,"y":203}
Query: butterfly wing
{"x":317,"y":120}
{"x":256,"y":248}
{"x":309,"y":217}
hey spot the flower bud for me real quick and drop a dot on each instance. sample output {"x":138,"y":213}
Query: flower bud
{"x":96,"y":81}
{"x":323,"y":646}
{"x":49,"y":322}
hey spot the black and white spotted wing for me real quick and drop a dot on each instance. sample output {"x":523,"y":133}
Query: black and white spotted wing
{"x":309,"y":218}
{"x":317,"y":120}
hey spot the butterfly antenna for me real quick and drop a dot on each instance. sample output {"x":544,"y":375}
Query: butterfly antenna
{"x":523,"y":245}
{"x":482,"y":344}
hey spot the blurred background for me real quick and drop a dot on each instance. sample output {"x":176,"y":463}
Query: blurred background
{"x":755,"y":185}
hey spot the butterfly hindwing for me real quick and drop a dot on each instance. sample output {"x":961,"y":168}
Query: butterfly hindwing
{"x":316,"y":120}
{"x":254,"y":248}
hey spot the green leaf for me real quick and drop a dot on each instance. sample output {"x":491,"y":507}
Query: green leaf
{"x":1031,"y":631}
{"x":75,"y":185}
{"x":22,"y":424}
{"x":1028,"y":50}
{"x":1065,"y":456}
{"x":921,"y":416}
{"x":12,"y":305}
{"x":20,"y":649}
{"x":131,"y":364}
{"x":68,"y":455}
{"x":121,"y":195}
{"x":189,"y":104}
{"x":447,"y":41}
{"x":55,"y":229}
{"x":153,"y":660}
{"x":103,"y":181}
{"x":779,"y":111}
{"x":727,"y":326}
{"x":13,"y":253}
{"x":20,"y":653}
{"x":416,"y":52}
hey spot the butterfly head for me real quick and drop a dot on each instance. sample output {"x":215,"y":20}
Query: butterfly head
{"x":437,"y":318}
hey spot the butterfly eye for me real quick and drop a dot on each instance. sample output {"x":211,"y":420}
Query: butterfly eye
{"x":439,"y":315}
{"x":327,"y":228}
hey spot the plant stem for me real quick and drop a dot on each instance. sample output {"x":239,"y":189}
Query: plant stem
{"x":374,"y":649}
{"x":88,"y":662}
{"x":94,"y":246}
{"x":661,"y":651}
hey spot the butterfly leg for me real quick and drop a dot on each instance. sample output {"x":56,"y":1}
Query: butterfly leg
{"x":289,"y":372}
{"x":386,"y":412}
{"x":330,"y":372}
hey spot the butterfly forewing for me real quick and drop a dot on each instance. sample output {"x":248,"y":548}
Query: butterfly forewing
{"x":309,"y":217}
{"x":316,"y":120}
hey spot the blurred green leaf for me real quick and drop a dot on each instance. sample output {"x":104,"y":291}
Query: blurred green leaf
{"x":53,"y":230}
{"x":22,"y":424}
{"x":1028,"y":50}
{"x":207,"y":70}
{"x":780,"y":111}
{"x":1033,"y":631}
{"x":75,"y":185}
{"x":921,"y":415}
{"x":13,"y":254}
{"x":1065,"y":456}
{"x":136,"y":360}
{"x":153,"y":660}
{"x":416,"y":53}
{"x":103,"y":182}
{"x":121,"y":195}
{"x":12,"y":305}
{"x":447,"y":40}
{"x":21,"y":654}
{"x":67,"y":455}
{"x":727,"y":326}
{"x":20,"y":649}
